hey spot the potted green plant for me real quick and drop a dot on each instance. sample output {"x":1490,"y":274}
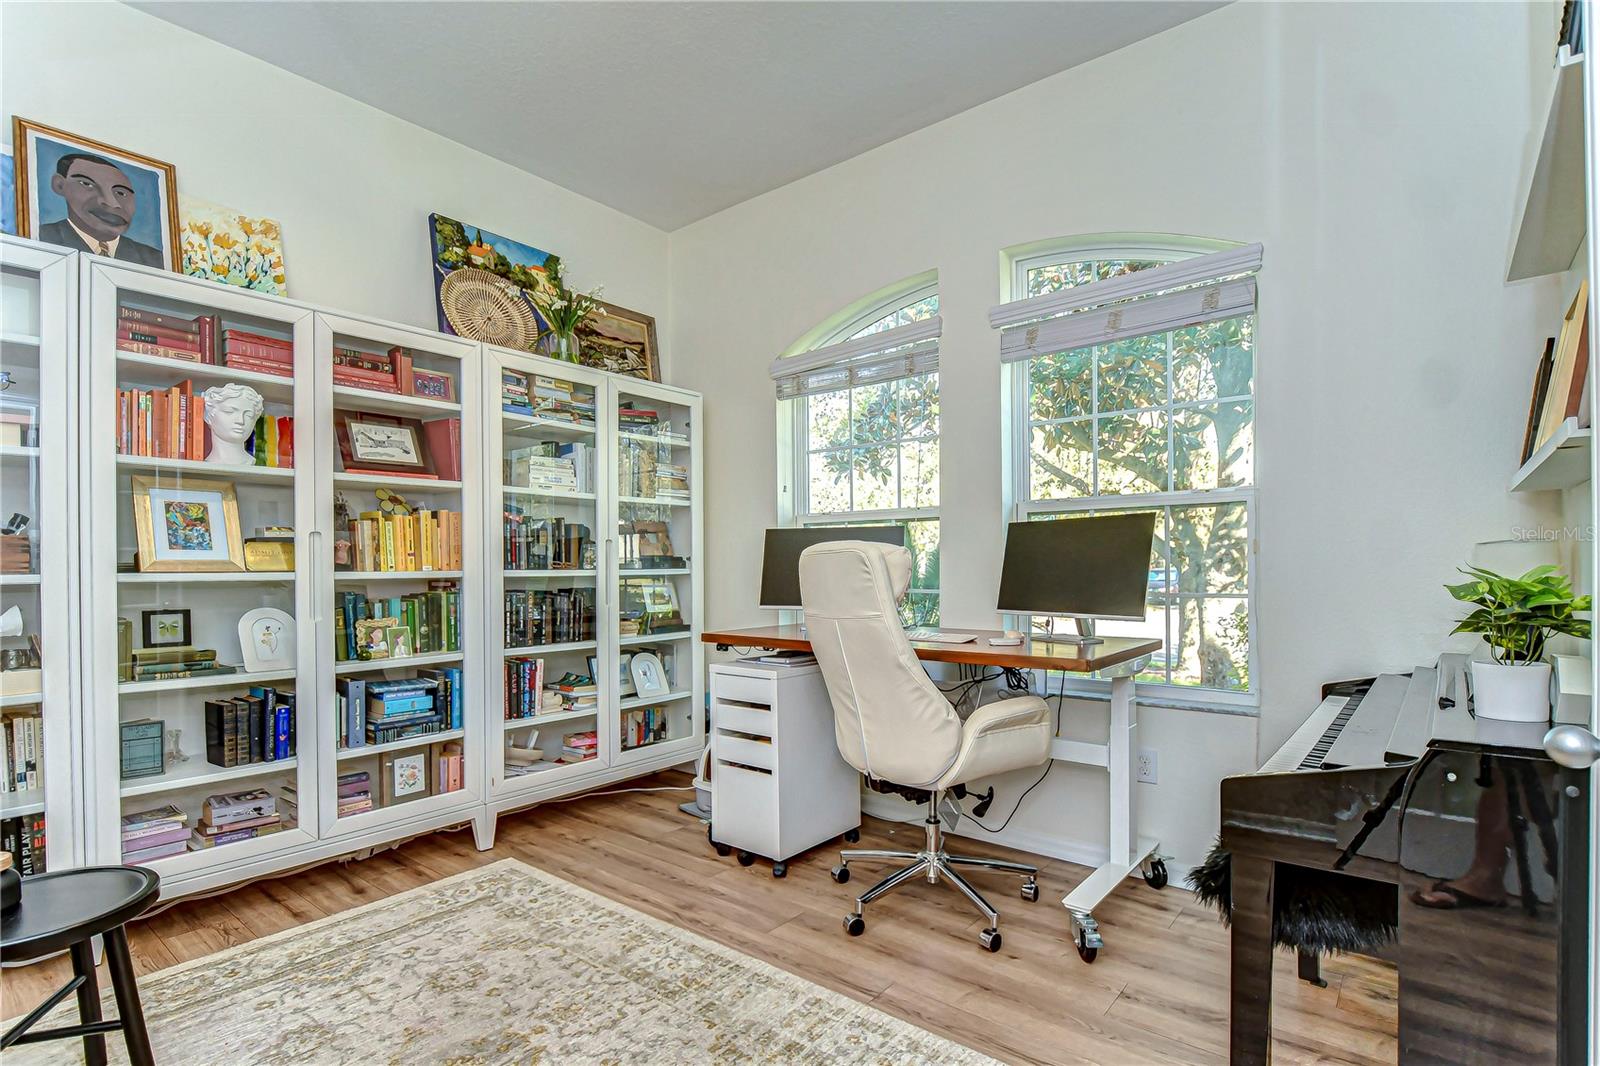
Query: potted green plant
{"x":1517,"y":616}
{"x":565,"y":309}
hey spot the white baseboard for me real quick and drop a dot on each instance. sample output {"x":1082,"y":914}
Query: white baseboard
{"x":1050,"y":845}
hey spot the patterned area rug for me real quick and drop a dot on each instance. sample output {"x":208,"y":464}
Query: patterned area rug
{"x":502,"y":964}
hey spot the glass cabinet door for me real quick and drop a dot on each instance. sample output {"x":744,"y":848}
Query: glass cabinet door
{"x":202,"y":712}
{"x":38,"y":720}
{"x":543,"y":456}
{"x":403,"y":567}
{"x":656,"y":569}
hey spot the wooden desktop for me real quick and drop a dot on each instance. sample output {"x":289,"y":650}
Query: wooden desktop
{"x":1031,"y":654}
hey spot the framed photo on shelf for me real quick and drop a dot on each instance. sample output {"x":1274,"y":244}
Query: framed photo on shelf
{"x":267,"y":639}
{"x":192,"y":527}
{"x":166,"y":628}
{"x":372,"y":637}
{"x":382,"y":444}
{"x":624,"y":675}
{"x":649,"y":676}
{"x":407,"y":776}
{"x":433,"y":385}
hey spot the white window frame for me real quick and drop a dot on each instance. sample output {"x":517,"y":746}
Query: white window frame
{"x":1018,"y":488}
{"x":794,"y":458}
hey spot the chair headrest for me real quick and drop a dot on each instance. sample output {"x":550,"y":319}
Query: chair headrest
{"x":894,"y":558}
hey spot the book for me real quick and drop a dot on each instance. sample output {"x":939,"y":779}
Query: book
{"x":1541,"y":384}
{"x":154,"y":816}
{"x":1564,"y":396}
{"x":444,"y":445}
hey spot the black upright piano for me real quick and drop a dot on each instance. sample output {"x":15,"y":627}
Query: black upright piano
{"x":1394,"y":781}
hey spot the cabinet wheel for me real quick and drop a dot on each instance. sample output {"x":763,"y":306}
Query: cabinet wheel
{"x":854,"y":924}
{"x":990,"y":939}
{"x":780,"y":869}
{"x":745,"y":858}
{"x":841,"y":874}
{"x":1085,"y":952}
{"x":1030,"y":892}
{"x":723,"y":850}
{"x":852,"y":836}
{"x":1157,"y":877}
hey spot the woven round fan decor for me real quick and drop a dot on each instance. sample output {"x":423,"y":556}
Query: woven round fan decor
{"x":478,"y":306}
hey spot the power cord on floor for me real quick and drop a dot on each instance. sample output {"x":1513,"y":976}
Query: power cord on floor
{"x":982,"y":806}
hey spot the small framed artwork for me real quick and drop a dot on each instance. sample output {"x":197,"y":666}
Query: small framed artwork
{"x":400,"y":644}
{"x":621,"y":341}
{"x":188,"y":527}
{"x":433,"y":385}
{"x":166,"y":628}
{"x":406,"y":777}
{"x":624,"y":675}
{"x":144,"y":752}
{"x":92,"y":197}
{"x":267,"y":639}
{"x":372,"y":637}
{"x":649,"y":676}
{"x":382,"y":444}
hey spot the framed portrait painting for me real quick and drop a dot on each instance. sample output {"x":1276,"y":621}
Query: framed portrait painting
{"x":187,"y":527}
{"x":89,"y":196}
{"x":621,"y":341}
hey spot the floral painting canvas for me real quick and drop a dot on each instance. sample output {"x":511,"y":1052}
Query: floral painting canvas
{"x":225,"y":245}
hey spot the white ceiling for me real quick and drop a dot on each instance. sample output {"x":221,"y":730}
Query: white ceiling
{"x":673,"y":111}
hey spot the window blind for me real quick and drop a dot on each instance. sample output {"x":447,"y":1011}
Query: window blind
{"x":888,"y":355}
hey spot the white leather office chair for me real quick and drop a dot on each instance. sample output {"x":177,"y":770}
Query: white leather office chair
{"x":894,"y":725}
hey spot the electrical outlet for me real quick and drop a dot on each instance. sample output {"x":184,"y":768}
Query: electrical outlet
{"x":1145,"y":766}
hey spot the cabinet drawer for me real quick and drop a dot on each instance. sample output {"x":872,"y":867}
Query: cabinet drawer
{"x":747,"y":689}
{"x":744,"y":750}
{"x":742,"y":717}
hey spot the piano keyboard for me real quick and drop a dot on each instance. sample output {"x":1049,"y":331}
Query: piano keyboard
{"x":1319,"y":751}
{"x":1314,"y":731}
{"x":1386,"y":722}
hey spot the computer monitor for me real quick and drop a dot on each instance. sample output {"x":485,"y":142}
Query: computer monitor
{"x":1092,"y":567}
{"x":780,"y":561}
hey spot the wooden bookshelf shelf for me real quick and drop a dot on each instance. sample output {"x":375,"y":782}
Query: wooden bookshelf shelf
{"x":545,"y":494}
{"x":282,"y":476}
{"x":21,"y":340}
{"x":13,"y":453}
{"x":348,"y":396}
{"x":197,"y":773}
{"x":363,"y":666}
{"x":227,"y":577}
{"x":547,"y":428}
{"x":242,"y":679}
{"x":364,"y":750}
{"x":17,"y":804}
{"x":652,"y":638}
{"x":416,"y":485}
{"x":21,"y":699}
{"x":652,"y":501}
{"x":345,"y":576}
{"x":672,"y":439}
{"x":549,"y":719}
{"x":157,"y":372}
{"x":639,"y":701}
{"x":18,"y":580}
{"x":626,"y":574}
{"x":1560,"y":462}
{"x":553,"y":649}
{"x":549,"y":573}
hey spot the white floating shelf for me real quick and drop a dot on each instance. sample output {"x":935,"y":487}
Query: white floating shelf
{"x":1559,"y":463}
{"x":554,"y":649}
{"x":548,"y":719}
{"x":17,"y":804}
{"x":373,"y":400}
{"x":1553,"y":219}
{"x":197,"y":773}
{"x":134,"y":688}
{"x":232,"y":472}
{"x":362,"y":666}
{"x":546,"y":494}
{"x":553,"y":428}
{"x":395,"y":481}
{"x":155,"y":370}
{"x":343,"y":576}
{"x":639,"y":701}
{"x":397,"y":745}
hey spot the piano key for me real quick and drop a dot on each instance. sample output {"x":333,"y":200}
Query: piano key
{"x":1293,"y":750}
{"x":1361,"y":740}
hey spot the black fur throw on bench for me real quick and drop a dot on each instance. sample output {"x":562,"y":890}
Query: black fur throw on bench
{"x":1316,"y":911}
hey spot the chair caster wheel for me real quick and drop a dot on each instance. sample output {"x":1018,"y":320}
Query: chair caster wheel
{"x":746,"y":859}
{"x":854,"y":924}
{"x":841,"y":874}
{"x":1030,"y":892}
{"x":852,"y":836}
{"x":780,"y":869}
{"x":1085,"y":952}
{"x":990,"y":939}
{"x":1157,"y":877}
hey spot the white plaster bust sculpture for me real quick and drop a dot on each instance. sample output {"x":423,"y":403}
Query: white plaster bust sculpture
{"x":231,"y":413}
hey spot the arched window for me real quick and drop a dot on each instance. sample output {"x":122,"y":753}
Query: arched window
{"x":1161,"y":421}
{"x":869,"y":453}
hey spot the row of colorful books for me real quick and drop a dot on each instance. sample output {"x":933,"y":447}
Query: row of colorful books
{"x":420,"y":541}
{"x":167,"y":336}
{"x":225,"y":818}
{"x":432,"y":621}
{"x":256,"y":728}
{"x":24,"y":838}
{"x":173,"y":664}
{"x":21,"y":753}
{"x":576,"y":693}
{"x":546,"y":397}
{"x":524,"y":688}
{"x":579,"y":747}
{"x":542,"y":543}
{"x":548,"y":616}
{"x":643,"y":726}
{"x":551,"y":466}
{"x":394,"y":371}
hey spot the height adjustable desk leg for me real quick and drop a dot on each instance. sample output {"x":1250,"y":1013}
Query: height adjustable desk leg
{"x":1127,"y":852}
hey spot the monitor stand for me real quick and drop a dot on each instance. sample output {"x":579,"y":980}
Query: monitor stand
{"x":1085,"y":637}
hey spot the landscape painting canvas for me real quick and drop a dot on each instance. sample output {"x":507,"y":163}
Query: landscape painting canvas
{"x":225,"y":245}
{"x":621,"y":341}
{"x":8,"y":192}
{"x":487,"y":286}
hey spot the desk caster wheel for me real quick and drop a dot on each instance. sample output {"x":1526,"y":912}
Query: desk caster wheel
{"x":780,"y":869}
{"x":854,"y":924}
{"x":1085,"y":952}
{"x":1030,"y":892}
{"x":840,"y":873}
{"x":722,"y":849}
{"x":990,"y":939}
{"x":1157,"y":877}
{"x":746,"y":859}
{"x":852,"y":836}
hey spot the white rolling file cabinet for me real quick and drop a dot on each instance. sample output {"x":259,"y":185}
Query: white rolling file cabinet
{"x":778,"y":783}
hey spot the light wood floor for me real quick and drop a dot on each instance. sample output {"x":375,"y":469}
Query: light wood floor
{"x":1158,"y":992}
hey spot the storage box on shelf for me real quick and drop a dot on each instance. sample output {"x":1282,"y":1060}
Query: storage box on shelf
{"x":41,"y":823}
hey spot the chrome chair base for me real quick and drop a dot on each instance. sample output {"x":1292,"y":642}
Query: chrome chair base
{"x":934,"y":863}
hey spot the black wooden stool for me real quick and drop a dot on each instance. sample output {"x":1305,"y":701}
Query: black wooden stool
{"x":63,"y":910}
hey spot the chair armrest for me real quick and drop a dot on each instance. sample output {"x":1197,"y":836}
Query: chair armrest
{"x":1002,"y":736}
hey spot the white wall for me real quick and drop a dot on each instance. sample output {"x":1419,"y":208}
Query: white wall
{"x":352,"y":186}
{"x":1376,"y":151}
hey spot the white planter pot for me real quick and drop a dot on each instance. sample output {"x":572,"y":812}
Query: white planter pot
{"x":1519,"y":693}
